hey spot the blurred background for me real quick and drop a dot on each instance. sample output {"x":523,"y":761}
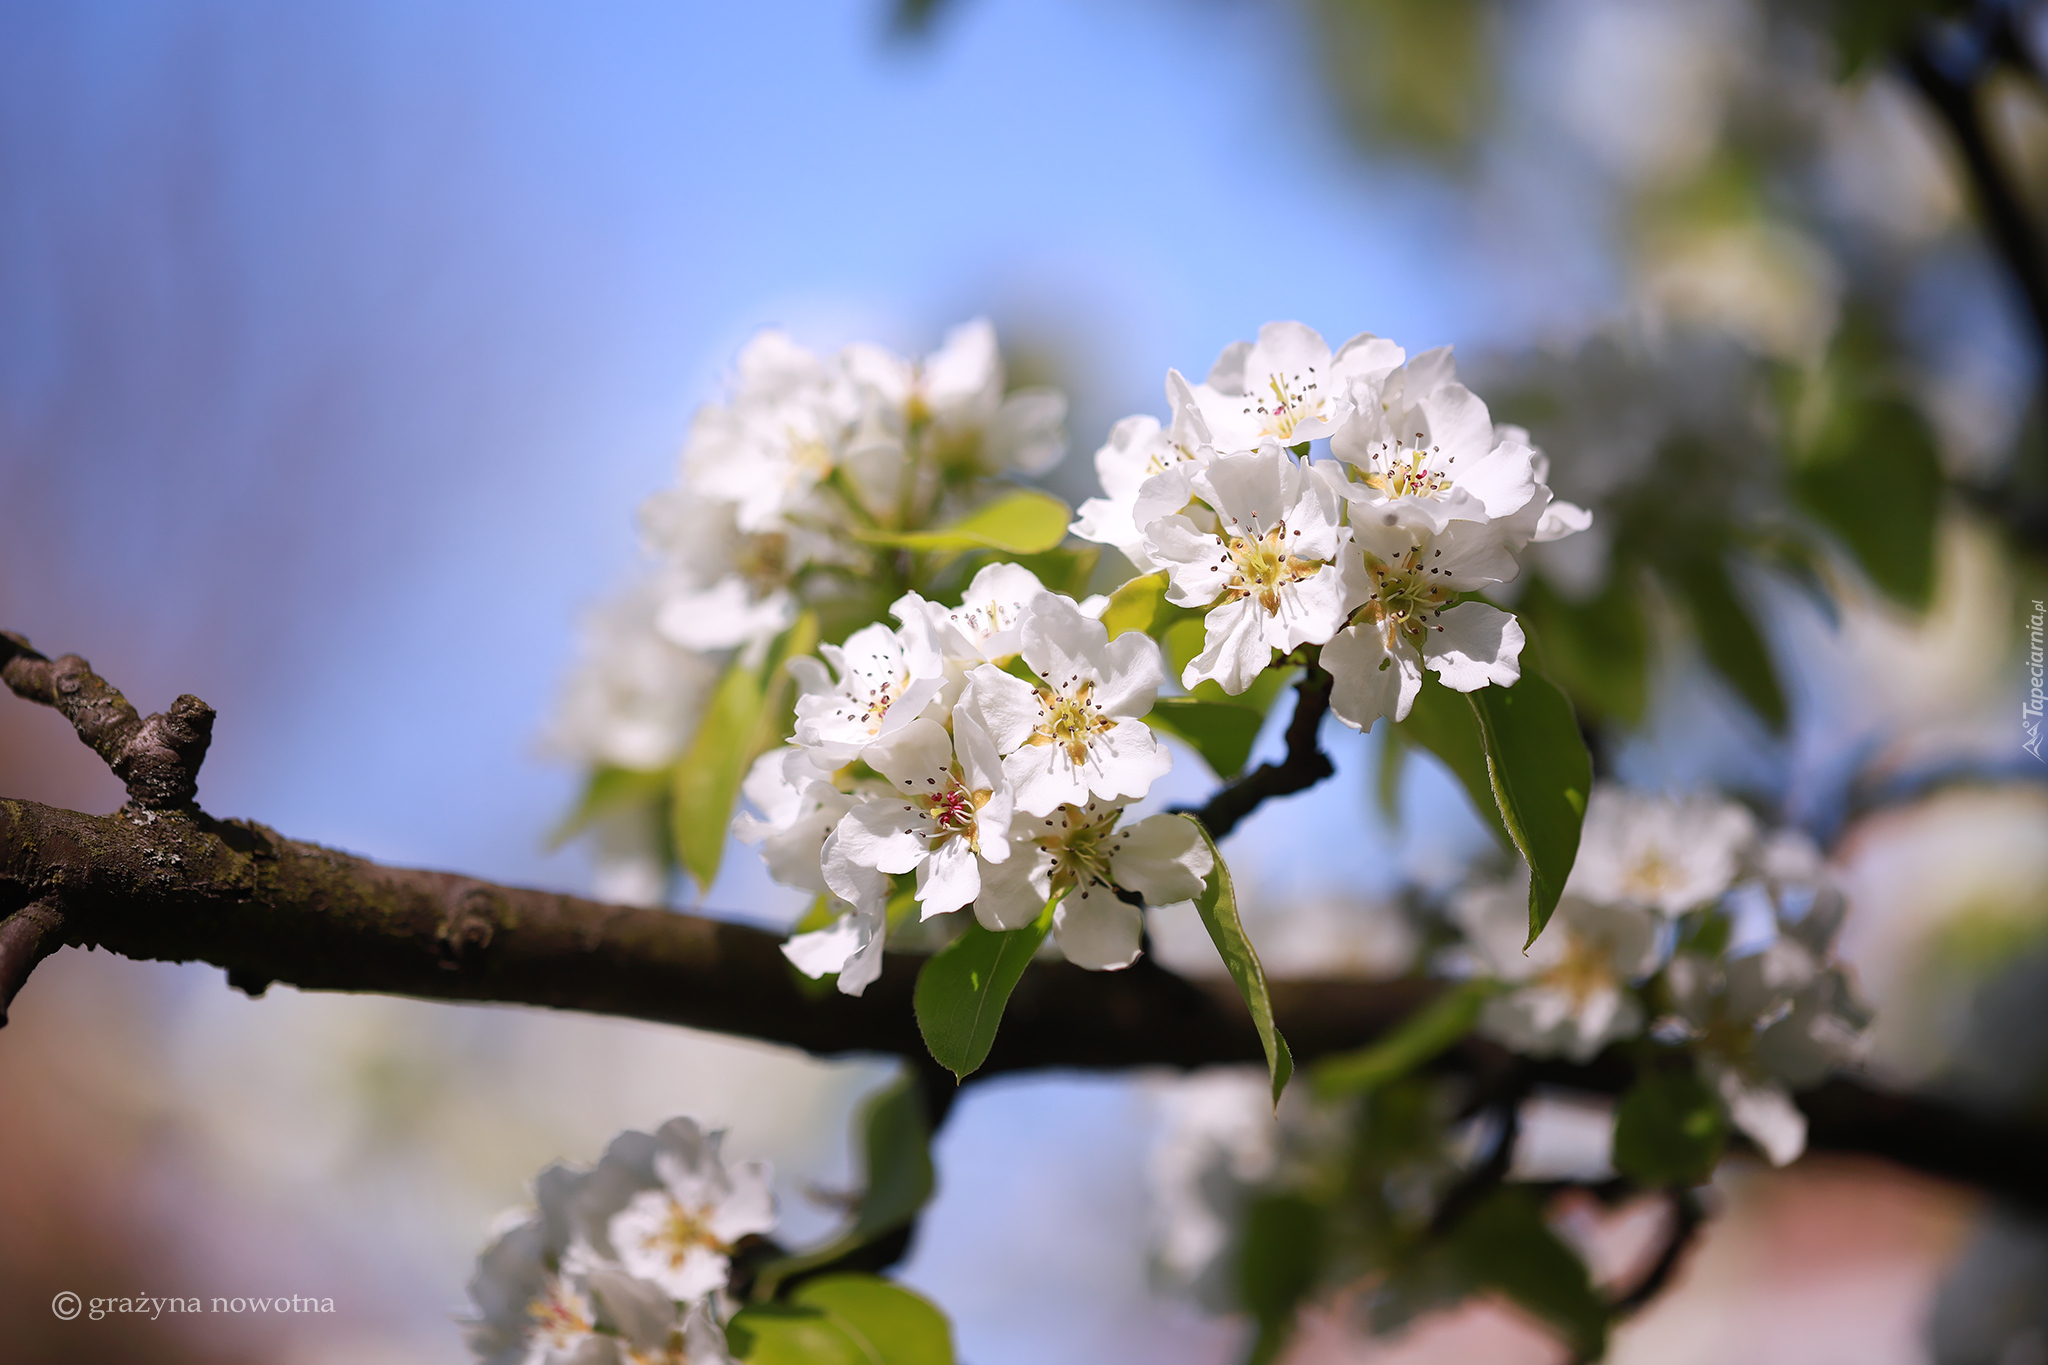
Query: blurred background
{"x":338,"y":344}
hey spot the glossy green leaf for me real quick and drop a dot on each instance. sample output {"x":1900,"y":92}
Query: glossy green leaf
{"x":1505,"y":1244}
{"x":749,"y":711}
{"x":1728,"y":634}
{"x":1416,"y":1041}
{"x":896,"y":1145}
{"x":1873,"y":477}
{"x":1279,"y":1260}
{"x":1136,"y":605}
{"x":1668,"y":1129}
{"x":1541,"y":774}
{"x":1024,"y":522}
{"x":1221,"y":733}
{"x":962,"y":989}
{"x":1442,"y":722}
{"x":611,"y":789}
{"x":1217,"y":906}
{"x":843,"y":1320}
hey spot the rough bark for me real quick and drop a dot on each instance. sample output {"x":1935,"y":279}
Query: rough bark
{"x":182,"y":887}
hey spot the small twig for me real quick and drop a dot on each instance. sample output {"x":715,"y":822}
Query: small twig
{"x":1686,"y":1218}
{"x":158,"y":758}
{"x":27,"y":936}
{"x":1304,"y":766}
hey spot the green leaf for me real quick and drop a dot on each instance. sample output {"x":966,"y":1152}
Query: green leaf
{"x":843,"y":1320}
{"x":1062,"y":570}
{"x":1218,"y":907}
{"x":1418,"y":1040}
{"x":1728,"y":635}
{"x":1442,"y":722}
{"x":962,"y":989}
{"x":1220,"y":732}
{"x":1537,"y":763}
{"x":897,"y":1146}
{"x":1873,"y":477}
{"x":1668,"y":1129}
{"x":748,"y":713}
{"x":1136,"y":605}
{"x":1279,"y":1259}
{"x":1597,"y":650}
{"x":1024,"y":522}
{"x":611,"y":789}
{"x":1504,"y":1243}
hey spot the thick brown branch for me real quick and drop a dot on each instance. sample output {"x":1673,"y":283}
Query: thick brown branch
{"x":27,"y":936}
{"x":181,"y":887}
{"x":158,"y":758}
{"x":1305,"y":765}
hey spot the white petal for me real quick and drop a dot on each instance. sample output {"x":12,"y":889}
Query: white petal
{"x":1197,"y":564}
{"x":1125,"y":760}
{"x":750,"y":1207}
{"x":1014,"y":891}
{"x":1472,"y":645}
{"x":1367,"y":681}
{"x":918,"y":758}
{"x":1006,"y":707}
{"x":949,"y":879}
{"x":1234,"y":648}
{"x":1162,"y":858}
{"x":1311,"y":611}
{"x":1131,"y":671}
{"x":1096,"y":930}
{"x":1763,"y":1110}
{"x":886,"y":834}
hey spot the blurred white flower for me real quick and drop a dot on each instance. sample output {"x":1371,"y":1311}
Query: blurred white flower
{"x":680,"y":1210}
{"x":1670,"y":854}
{"x":1572,"y":991}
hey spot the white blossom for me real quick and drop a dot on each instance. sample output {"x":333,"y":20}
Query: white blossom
{"x":1572,"y":990}
{"x":949,"y":812}
{"x":1404,"y":580}
{"x":1078,"y":733}
{"x":1671,"y":854}
{"x":1286,"y":388}
{"x":634,"y":697}
{"x":1083,"y":854}
{"x":987,"y":626}
{"x":1144,"y":470}
{"x":684,"y":1209}
{"x":1272,"y":557}
{"x":885,"y":679}
{"x":851,"y":945}
{"x":799,"y":807}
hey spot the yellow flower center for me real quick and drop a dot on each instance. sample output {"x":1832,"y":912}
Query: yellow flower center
{"x":1404,"y":601}
{"x":1069,"y":721}
{"x":682,"y":1230}
{"x":1260,"y":566}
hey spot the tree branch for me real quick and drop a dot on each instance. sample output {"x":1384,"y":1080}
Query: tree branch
{"x":1305,"y":765}
{"x":157,"y":758}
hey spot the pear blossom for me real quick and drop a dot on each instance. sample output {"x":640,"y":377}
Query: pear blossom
{"x":634,"y":697}
{"x":851,"y":945}
{"x":1144,"y":470}
{"x":1077,"y":734}
{"x":987,"y":626}
{"x":1671,"y":854}
{"x":1272,"y":557}
{"x":955,"y":395}
{"x":673,"y":1210}
{"x":799,"y":808}
{"x":1405,"y":579}
{"x":1287,"y":388}
{"x":885,"y":679}
{"x":1084,"y":854}
{"x":1571,"y":991}
{"x":783,"y":432}
{"x":547,"y":1296}
{"x":949,"y":813}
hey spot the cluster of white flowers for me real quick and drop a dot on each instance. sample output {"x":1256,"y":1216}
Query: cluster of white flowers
{"x":781,"y":489}
{"x":1366,"y":554}
{"x":1750,"y":992}
{"x":916,"y":752}
{"x":623,"y":1264}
